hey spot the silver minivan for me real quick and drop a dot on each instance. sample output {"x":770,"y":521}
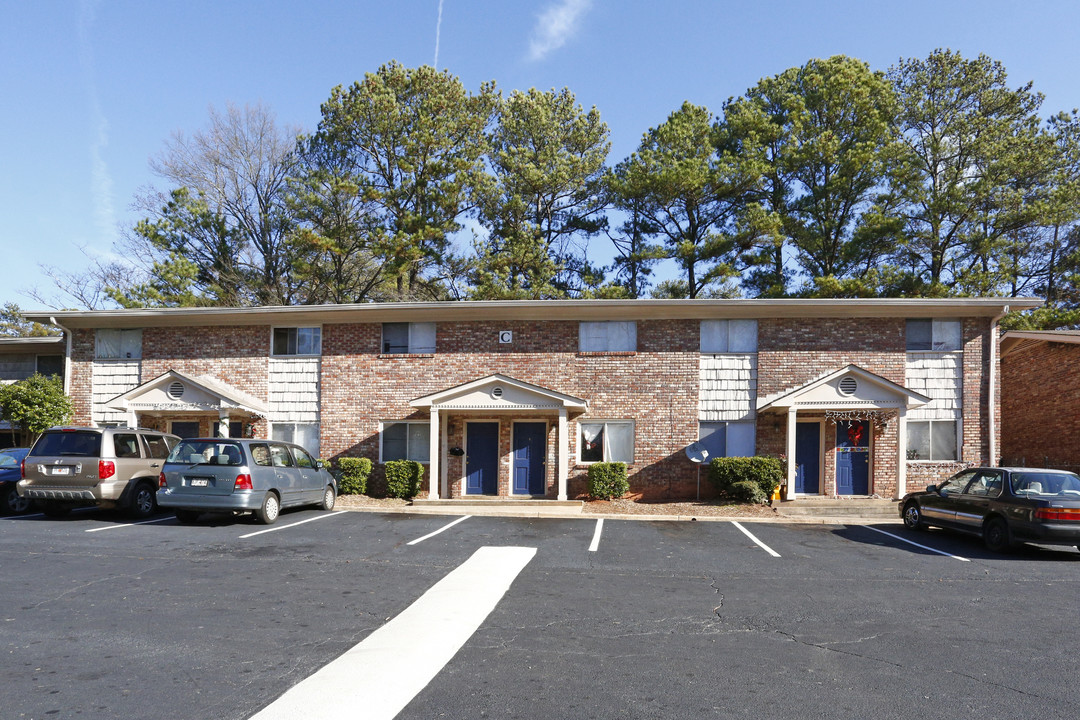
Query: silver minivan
{"x":233,"y":475}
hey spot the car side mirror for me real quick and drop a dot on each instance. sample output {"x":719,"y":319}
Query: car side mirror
{"x":931,"y":488}
{"x":320,"y":464}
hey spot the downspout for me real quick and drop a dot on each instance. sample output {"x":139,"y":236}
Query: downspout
{"x":991,"y":415}
{"x":67,"y":356}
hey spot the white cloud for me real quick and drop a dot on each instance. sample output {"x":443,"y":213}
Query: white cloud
{"x":101,"y":184}
{"x":438,"y":29}
{"x":555,"y":26}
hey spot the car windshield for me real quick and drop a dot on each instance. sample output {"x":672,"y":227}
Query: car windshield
{"x":1044,"y":485}
{"x":77,"y":443}
{"x":207,"y":452}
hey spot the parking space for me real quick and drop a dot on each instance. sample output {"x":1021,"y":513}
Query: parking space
{"x":111,"y":618}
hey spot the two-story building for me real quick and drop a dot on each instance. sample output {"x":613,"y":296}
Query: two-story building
{"x":21,"y":357}
{"x":517,"y":398}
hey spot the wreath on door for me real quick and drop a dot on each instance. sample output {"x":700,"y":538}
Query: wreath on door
{"x":854,"y":434}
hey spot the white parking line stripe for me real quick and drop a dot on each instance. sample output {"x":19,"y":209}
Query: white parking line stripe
{"x":760,"y":544}
{"x":379,"y":677}
{"x":286,"y":527}
{"x":40,"y":515}
{"x":125,"y":525}
{"x":897,"y":537}
{"x":433,"y":534}
{"x":596,"y":535}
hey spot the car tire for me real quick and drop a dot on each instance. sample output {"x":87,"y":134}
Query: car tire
{"x":996,"y":535}
{"x":187,"y":516}
{"x":269,"y":510}
{"x":54,"y":509}
{"x":14,"y":504}
{"x":913,"y":519}
{"x":329,"y":498}
{"x":143,"y":500}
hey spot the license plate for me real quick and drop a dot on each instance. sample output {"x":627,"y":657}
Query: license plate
{"x":63,"y":470}
{"x":200,"y":482}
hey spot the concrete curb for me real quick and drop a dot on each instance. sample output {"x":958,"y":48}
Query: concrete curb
{"x":559,"y":514}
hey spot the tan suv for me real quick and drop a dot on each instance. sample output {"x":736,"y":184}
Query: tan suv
{"x":109,"y":467}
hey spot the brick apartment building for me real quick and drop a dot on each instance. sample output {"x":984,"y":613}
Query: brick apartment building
{"x":517,"y":398}
{"x":1040,"y":370}
{"x":21,"y":357}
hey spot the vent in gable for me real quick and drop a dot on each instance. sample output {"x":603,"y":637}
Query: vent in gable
{"x":176,"y":390}
{"x":848,"y":386}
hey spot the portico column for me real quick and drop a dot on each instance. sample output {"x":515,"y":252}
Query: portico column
{"x":433,"y":455}
{"x":901,"y":453}
{"x":223,"y":424}
{"x":564,"y":452}
{"x":791,"y":467}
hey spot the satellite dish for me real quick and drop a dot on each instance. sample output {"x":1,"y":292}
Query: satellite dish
{"x":696,"y":452}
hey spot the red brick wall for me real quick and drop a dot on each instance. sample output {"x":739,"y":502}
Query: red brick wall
{"x":1038,"y":382}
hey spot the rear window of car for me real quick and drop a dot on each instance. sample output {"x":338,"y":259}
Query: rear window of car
{"x":1034,"y":484}
{"x":207,"y":452}
{"x":78,"y":443}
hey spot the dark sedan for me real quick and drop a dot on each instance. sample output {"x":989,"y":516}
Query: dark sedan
{"x":10,"y":474}
{"x":1004,"y":506}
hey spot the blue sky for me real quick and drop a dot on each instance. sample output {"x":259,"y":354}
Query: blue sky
{"x":90,"y":90}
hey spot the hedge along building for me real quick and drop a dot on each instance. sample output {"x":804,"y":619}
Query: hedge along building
{"x":518,"y":398}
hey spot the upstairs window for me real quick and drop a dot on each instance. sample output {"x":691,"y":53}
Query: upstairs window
{"x":408,"y":338}
{"x":936,"y":335}
{"x":298,"y":341}
{"x":118,"y":344}
{"x":728,"y":336}
{"x":607,"y":336}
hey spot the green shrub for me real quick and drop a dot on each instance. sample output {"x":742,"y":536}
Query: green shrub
{"x":607,"y":480}
{"x":747,"y":491}
{"x":766,"y":473}
{"x":353,"y":475}
{"x":403,"y":478}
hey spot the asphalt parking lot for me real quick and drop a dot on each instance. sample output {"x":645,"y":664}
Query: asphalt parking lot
{"x":105,"y":618}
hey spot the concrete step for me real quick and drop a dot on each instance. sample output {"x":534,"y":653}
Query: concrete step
{"x":838,"y":507}
{"x":497,"y":502}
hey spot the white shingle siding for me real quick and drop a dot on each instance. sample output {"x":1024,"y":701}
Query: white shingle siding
{"x":109,"y":379}
{"x":294,"y":390}
{"x":938,"y":376}
{"x":728,"y":387}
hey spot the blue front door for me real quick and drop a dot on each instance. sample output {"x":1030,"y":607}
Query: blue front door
{"x":530,"y":441}
{"x":482,"y":458}
{"x":853,"y":458}
{"x":807,"y":458}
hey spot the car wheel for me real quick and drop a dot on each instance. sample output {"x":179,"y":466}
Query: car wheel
{"x":143,"y":500}
{"x":329,"y":497}
{"x":913,"y":517}
{"x":268,"y":511}
{"x":996,"y":535}
{"x":54,"y":509}
{"x":187,"y":516}
{"x":15,"y":504}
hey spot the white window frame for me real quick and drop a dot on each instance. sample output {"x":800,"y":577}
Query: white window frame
{"x":719,"y":336}
{"x":940,"y":330}
{"x":426,"y":444}
{"x":317,"y":329}
{"x":726,"y":425}
{"x":128,"y":344}
{"x":316,"y":451}
{"x":606,"y":448}
{"x":417,"y":331}
{"x":958,"y":429}
{"x":607,"y":336}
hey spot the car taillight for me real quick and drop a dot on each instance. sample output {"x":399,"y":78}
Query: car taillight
{"x":1058,"y":514}
{"x":105,"y":469}
{"x":243,"y":482}
{"x":161,"y":480}
{"x":22,"y":468}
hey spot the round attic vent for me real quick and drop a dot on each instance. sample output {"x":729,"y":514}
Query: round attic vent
{"x":496,"y":392}
{"x":176,"y":390}
{"x":848,"y":386}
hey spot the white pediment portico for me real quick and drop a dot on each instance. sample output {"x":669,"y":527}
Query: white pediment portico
{"x":174,"y":392}
{"x":851,"y":387}
{"x":500,"y":393}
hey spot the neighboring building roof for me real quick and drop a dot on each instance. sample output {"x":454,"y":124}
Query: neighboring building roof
{"x":26,"y":345}
{"x":649,"y":309}
{"x":1015,"y":340}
